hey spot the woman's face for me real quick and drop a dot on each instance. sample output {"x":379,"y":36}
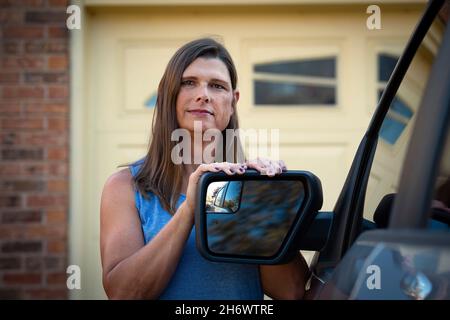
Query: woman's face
{"x":205,"y":95}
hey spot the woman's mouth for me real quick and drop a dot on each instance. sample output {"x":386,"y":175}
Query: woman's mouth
{"x":200,"y":112}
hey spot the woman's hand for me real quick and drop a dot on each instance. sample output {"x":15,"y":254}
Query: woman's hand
{"x":227,"y":167}
{"x":267,"y":166}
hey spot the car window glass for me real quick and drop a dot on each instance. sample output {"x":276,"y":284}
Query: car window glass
{"x":232,"y":196}
{"x":395,"y":132}
{"x":219,"y":197}
{"x":440,"y":206}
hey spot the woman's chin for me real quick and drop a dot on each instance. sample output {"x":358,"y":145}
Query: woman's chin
{"x":201,"y":125}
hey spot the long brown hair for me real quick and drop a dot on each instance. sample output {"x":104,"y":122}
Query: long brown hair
{"x":158,"y":174}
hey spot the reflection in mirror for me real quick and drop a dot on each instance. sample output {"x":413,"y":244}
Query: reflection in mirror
{"x":251,"y":217}
{"x":223,"y":197}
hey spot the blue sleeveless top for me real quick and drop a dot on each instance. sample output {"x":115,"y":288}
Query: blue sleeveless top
{"x":195,"y":277}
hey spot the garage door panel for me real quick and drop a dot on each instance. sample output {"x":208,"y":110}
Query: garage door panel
{"x":325,"y":160}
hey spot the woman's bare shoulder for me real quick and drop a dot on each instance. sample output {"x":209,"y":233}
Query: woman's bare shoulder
{"x":120,"y":177}
{"x":119,"y":184}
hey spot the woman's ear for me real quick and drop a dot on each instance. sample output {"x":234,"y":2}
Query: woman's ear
{"x":236,"y":95}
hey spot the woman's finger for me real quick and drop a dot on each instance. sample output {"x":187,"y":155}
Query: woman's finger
{"x":266,"y":166}
{"x":261,"y":169}
{"x":283,"y":165}
{"x":277,"y":167}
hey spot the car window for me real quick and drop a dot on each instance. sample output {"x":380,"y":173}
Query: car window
{"x":233,"y":195}
{"x":219,"y":197}
{"x":395,"y":132}
{"x":440,"y":206}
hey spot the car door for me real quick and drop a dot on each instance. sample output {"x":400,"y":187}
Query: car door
{"x":410,"y":259}
{"x":346,"y":222}
{"x":409,"y":198}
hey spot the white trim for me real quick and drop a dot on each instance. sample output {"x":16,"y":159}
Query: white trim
{"x":77,"y":149}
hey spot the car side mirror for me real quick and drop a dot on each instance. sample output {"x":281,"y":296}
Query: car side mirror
{"x":254,"y":218}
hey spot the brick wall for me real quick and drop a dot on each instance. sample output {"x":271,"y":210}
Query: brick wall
{"x":34,"y":137}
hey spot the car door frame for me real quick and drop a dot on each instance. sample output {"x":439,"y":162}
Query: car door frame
{"x":347,"y":218}
{"x":411,"y":209}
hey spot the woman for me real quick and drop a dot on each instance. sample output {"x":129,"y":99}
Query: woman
{"x":147,"y":210}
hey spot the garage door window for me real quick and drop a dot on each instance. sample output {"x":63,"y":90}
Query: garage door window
{"x":399,"y":113}
{"x":305,"y":82}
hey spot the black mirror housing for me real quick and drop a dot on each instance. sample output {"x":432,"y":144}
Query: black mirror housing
{"x":259,"y":220}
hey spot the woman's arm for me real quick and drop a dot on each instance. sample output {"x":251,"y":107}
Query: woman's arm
{"x":285,"y":281}
{"x":132,"y":270}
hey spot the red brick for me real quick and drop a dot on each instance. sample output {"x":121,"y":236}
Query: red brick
{"x":57,"y":186}
{"x":10,"y":17}
{"x":55,"y":46}
{"x":22,"y":154}
{"x":37,"y":263}
{"x":10,"y":109}
{"x":54,"y":109}
{"x":23,"y":32}
{"x":10,"y":294}
{"x":47,"y":201}
{"x":57,"y":124}
{"x":21,"y":246}
{"x":35,"y":169}
{"x":11,"y":47}
{"x":22,"y":216}
{"x":58,"y":3}
{"x":59,"y":153}
{"x":22,"y":124}
{"x":43,"y":139}
{"x":56,"y":246}
{"x":21,"y":185}
{"x":10,"y":201}
{"x":31,"y":232}
{"x":10,"y":138}
{"x":41,"y":294}
{"x":58,"y":169}
{"x":23,"y":62}
{"x":58,"y":92}
{"x":10,"y":263}
{"x":6,"y":232}
{"x":46,"y":77}
{"x":56,"y":216}
{"x":46,"y":17}
{"x":58,"y":32}
{"x":25,"y":3}
{"x":36,"y":231}
{"x":57,"y":278}
{"x":9,"y":77}
{"x":57,"y":62}
{"x":23,"y":92}
{"x":9,"y":169}
{"x":22,"y":278}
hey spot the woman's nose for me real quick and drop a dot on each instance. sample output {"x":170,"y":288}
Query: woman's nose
{"x":203,"y":94}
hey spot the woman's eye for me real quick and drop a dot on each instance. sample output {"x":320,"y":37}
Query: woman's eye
{"x":187,"y":83}
{"x":218,"y":86}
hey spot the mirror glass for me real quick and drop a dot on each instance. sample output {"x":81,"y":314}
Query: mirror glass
{"x":251,"y":217}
